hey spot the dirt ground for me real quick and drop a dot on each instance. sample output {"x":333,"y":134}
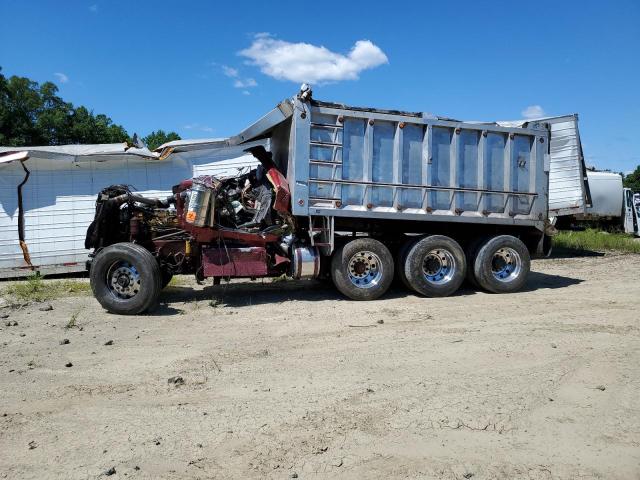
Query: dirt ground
{"x":290,"y":380}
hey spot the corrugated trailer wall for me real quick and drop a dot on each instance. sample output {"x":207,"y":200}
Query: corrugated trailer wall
{"x":59,"y":200}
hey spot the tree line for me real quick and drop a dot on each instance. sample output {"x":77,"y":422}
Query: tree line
{"x":33,"y":114}
{"x":632,"y":180}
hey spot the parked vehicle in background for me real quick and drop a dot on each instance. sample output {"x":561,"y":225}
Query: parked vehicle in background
{"x":612,"y":205}
{"x":360,"y":195}
{"x":631,"y":213}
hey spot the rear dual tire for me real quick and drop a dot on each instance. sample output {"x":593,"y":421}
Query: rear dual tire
{"x":435,"y":266}
{"x":362,"y":269}
{"x":501,"y":264}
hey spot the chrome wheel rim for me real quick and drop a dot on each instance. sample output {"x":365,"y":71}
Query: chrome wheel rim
{"x":123,"y":280}
{"x":506,"y":265}
{"x":365,"y":269}
{"x":438,"y":266}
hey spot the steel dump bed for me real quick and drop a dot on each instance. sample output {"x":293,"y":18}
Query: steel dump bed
{"x":353,"y":162}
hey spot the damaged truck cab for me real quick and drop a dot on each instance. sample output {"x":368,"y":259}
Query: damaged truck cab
{"x":231,"y":227}
{"x":359,"y":195}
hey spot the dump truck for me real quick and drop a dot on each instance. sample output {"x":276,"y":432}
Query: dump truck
{"x":358,"y":196}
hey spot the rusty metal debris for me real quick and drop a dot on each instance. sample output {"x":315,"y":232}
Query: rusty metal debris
{"x":21,"y":236}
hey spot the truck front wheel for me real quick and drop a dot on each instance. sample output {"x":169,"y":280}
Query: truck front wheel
{"x":362,"y":269}
{"x":125,"y":278}
{"x":435,"y":266}
{"x":502,"y":264}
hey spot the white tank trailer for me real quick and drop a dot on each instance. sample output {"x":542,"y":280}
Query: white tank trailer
{"x":612,"y":205}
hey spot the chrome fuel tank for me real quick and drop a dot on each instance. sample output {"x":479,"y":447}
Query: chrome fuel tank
{"x":199,"y":200}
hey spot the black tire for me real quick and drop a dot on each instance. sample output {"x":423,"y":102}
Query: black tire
{"x":361,"y":276}
{"x":121,"y":257}
{"x":496,"y":258}
{"x":471,"y":251}
{"x":401,"y":258}
{"x":445,"y":262}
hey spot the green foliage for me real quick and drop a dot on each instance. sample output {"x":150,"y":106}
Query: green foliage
{"x":35,"y":289}
{"x":632,"y":180}
{"x":596,"y":240}
{"x":33,"y":114}
{"x":158,"y":137}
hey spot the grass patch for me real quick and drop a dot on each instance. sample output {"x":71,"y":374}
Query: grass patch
{"x":36,"y":289}
{"x":177,"y":281}
{"x":73,"y":320}
{"x":596,"y":240}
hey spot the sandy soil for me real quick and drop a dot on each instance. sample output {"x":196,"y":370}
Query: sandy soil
{"x":290,"y":380}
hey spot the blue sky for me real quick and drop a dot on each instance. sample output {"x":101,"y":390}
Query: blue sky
{"x":208,"y":69}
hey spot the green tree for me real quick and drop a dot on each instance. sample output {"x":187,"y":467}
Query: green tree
{"x":33,"y":114}
{"x":158,"y":137}
{"x":632,"y":180}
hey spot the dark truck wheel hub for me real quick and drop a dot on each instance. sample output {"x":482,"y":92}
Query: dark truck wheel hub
{"x":123,"y":280}
{"x":506,"y":264}
{"x":438,"y":266}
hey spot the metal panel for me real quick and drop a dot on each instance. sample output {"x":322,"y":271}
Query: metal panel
{"x":299,"y":165}
{"x":606,"y":194}
{"x":259,"y":129}
{"x":567,"y":188}
{"x":412,"y":166}
{"x":235,"y":262}
{"x":383,"y":148}
{"x":400,"y":166}
{"x":468,"y":157}
{"x":440,"y":167}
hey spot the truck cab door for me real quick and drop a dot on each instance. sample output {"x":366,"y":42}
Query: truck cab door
{"x":630,"y":213}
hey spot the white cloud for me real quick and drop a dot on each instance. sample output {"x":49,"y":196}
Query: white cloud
{"x":238,"y":82}
{"x":62,"y":78}
{"x":246,"y":92}
{"x":533,"y":111}
{"x":93,"y":8}
{"x":245,"y":83}
{"x":229,"y":71}
{"x":303,"y":62}
{"x":197,"y":126}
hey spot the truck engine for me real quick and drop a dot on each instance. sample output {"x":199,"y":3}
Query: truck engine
{"x":237,"y":226}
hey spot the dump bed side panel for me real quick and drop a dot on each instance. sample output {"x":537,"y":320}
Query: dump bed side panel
{"x":568,"y":188}
{"x":359,"y":163}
